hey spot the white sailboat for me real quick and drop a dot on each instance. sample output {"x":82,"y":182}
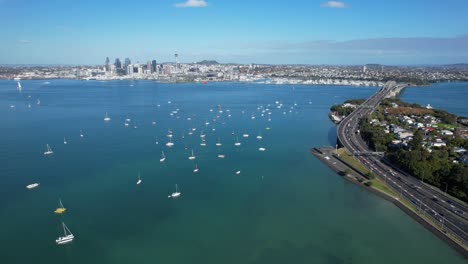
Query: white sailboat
{"x":32,"y":185}
{"x":139,"y":179}
{"x":65,"y":141}
{"x":170,"y":144}
{"x":48,"y":151}
{"x":192,"y":157}
{"x":203,"y":143}
{"x":175,"y":194}
{"x":19,"y":87}
{"x":107,"y":118}
{"x":237,"y":143}
{"x":196,"y":168}
{"x":81,"y":134}
{"x":238,"y":172}
{"x":221,"y":156}
{"x":218,"y":144}
{"x":67,"y":236}
{"x":261,"y":149}
{"x":163,"y":157}
{"x":245,"y":135}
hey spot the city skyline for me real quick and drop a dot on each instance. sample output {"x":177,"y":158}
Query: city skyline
{"x":265,"y":32}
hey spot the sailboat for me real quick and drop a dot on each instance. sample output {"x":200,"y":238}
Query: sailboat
{"x":61,"y":209}
{"x":19,"y":87}
{"x":67,"y":236}
{"x":261,"y":149}
{"x":245,"y":135}
{"x":170,"y":144}
{"x":107,"y":118}
{"x":196,"y":168}
{"x":203,"y":143}
{"x":65,"y":141}
{"x":237,"y":144}
{"x":139,"y":179}
{"x":32,"y":185}
{"x":81,"y":134}
{"x":259,"y":136}
{"x":238,"y":172}
{"x":219,"y":143}
{"x":163,"y":157}
{"x":175,"y":194}
{"x":49,"y":151}
{"x":192,"y":157}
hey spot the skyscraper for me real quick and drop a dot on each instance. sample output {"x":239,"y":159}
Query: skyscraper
{"x":148,"y":66}
{"x":127,"y":62}
{"x":107,"y":64}
{"x":118,"y":64}
{"x":153,"y":66}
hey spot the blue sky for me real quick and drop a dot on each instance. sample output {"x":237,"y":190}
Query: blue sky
{"x":260,"y":31}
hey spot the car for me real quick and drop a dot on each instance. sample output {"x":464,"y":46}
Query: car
{"x":434,"y":199}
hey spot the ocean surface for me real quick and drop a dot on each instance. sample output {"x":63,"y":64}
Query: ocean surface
{"x":284,"y":207}
{"x":449,"y":96}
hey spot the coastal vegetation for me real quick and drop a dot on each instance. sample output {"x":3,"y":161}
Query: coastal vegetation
{"x":438,"y":166}
{"x":347,"y":107}
{"x":420,"y":141}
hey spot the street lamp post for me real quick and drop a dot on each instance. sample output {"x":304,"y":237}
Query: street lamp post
{"x":446,"y":186}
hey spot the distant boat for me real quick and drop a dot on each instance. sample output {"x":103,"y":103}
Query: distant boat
{"x":203,"y":143}
{"x":48,"y":151}
{"x":126,"y":124}
{"x":67,"y":236}
{"x":163,"y":157}
{"x":107,"y":118}
{"x":196,"y":168}
{"x":429,"y":106}
{"x":175,"y":194}
{"x":237,"y":143}
{"x":61,"y":209}
{"x":221,"y":156}
{"x":126,"y":119}
{"x":81,"y":134}
{"x":38,"y":102}
{"x":65,"y":141}
{"x":170,"y":144}
{"x":192,"y":157}
{"x":32,"y":186}
{"x":245,"y":135}
{"x":19,"y":87}
{"x":218,"y":144}
{"x":261,"y":149}
{"x":259,"y":136}
{"x":238,"y":172}
{"x":139,"y":179}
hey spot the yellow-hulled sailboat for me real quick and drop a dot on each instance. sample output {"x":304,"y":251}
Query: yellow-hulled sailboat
{"x":60,"y":209}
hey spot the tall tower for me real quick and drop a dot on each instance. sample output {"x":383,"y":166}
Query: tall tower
{"x":107,"y":64}
{"x":176,"y":55}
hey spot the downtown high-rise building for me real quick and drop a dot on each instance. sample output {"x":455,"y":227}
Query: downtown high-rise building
{"x":154,"y":66}
{"x":118,"y":63}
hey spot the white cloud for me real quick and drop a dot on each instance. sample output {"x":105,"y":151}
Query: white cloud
{"x":334,"y":4}
{"x":24,"y":41}
{"x":192,"y":3}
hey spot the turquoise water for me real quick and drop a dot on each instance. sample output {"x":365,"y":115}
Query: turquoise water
{"x":450,"y":96}
{"x":284,"y":207}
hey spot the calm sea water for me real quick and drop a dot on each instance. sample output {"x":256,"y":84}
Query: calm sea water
{"x":284,"y":207}
{"x":450,"y":96}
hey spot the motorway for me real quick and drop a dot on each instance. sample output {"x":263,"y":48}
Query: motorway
{"x":451,"y":215}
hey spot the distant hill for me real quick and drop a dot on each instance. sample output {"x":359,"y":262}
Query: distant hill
{"x":208,"y":62}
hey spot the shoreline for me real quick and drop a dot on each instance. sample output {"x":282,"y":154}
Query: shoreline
{"x":318,"y":153}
